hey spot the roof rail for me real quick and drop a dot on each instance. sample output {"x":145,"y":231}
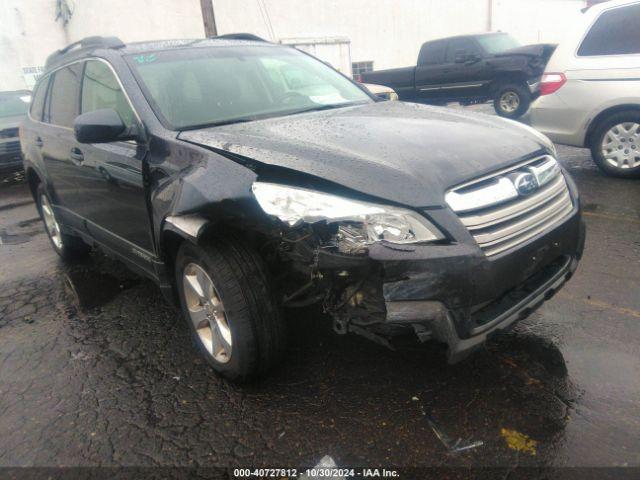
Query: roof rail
{"x":87,"y":42}
{"x":241,"y":36}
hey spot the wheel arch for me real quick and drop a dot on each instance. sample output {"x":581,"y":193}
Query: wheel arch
{"x":602,"y":116}
{"x":506,"y":78}
{"x":175,"y":230}
{"x":192,"y":228}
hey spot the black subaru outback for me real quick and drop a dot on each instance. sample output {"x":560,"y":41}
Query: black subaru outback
{"x":246,"y":177}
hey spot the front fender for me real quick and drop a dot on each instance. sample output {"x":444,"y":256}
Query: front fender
{"x":189,"y":227}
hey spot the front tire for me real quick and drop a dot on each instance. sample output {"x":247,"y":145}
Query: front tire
{"x":512,"y":100}
{"x":615,"y":145}
{"x":227,"y":301}
{"x":69,"y":247}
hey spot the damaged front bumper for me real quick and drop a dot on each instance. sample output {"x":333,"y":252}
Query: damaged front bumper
{"x":456,"y":295}
{"x":432,"y":319}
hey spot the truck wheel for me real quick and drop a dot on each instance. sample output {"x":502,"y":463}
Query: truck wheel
{"x":69,"y":247}
{"x":227,"y":301}
{"x":615,"y":144}
{"x":512,"y":100}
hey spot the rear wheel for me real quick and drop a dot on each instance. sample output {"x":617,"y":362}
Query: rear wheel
{"x":226,"y":299}
{"x":512,"y":100}
{"x":615,"y":145}
{"x":69,"y":247}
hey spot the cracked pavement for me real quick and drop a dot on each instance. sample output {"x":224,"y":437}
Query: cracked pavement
{"x":95,"y":369}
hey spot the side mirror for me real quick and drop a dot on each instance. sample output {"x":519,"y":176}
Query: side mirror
{"x":100,"y":126}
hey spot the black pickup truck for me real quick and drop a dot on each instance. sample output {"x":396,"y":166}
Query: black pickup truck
{"x":471,"y":69}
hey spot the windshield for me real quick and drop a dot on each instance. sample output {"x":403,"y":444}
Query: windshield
{"x":498,"y":43}
{"x":14,"y":104}
{"x":195,"y":87}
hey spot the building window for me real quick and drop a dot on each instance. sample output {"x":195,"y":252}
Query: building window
{"x":361,"y":67}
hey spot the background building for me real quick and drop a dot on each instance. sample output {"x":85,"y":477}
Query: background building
{"x":358,"y":34}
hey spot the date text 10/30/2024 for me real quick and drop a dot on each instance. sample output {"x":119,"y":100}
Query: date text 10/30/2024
{"x":315,"y":473}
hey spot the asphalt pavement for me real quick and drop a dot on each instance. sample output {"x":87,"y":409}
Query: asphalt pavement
{"x":95,"y":369}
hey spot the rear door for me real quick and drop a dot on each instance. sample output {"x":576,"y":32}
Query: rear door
{"x":56,"y":141}
{"x":612,"y":44}
{"x":31,"y":128}
{"x":110,"y":181}
{"x":604,"y":67}
{"x":431,"y":70}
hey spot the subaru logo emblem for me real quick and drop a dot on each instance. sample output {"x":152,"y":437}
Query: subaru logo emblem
{"x":525,"y":183}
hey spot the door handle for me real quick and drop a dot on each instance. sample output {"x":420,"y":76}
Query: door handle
{"x":39,"y":143}
{"x":76,"y":155}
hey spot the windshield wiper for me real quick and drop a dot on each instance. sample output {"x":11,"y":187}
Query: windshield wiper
{"x":329,"y":106}
{"x":219,"y":124}
{"x":316,"y":108}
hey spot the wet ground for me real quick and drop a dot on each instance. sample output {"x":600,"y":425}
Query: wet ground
{"x":95,"y":369}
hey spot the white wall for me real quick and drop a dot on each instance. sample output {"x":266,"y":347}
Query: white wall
{"x":389,"y":32}
{"x":27,"y":37}
{"x":29,"y":31}
{"x":135,"y":20}
{"x":536,"y":21}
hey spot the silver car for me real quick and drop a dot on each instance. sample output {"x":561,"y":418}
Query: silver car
{"x":590,"y":92}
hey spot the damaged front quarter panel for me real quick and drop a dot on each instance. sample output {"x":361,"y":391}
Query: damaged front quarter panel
{"x":192,"y":188}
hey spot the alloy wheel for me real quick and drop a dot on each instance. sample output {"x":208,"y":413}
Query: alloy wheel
{"x":509,"y":102}
{"x":53,"y":229}
{"x":207,"y":313}
{"x":621,"y":145}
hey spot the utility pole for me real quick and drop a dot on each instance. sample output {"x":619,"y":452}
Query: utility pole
{"x":489,"y":15}
{"x":208,"y":18}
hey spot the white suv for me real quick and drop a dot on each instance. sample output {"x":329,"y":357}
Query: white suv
{"x":590,"y":92}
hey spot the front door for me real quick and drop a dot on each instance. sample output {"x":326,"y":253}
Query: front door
{"x":110,"y":178}
{"x":467,"y":74}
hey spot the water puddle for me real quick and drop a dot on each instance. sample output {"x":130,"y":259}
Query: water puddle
{"x":9,"y":239}
{"x":21,"y":232}
{"x":90,"y":289}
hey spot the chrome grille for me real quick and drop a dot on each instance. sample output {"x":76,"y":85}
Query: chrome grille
{"x":509,"y":207}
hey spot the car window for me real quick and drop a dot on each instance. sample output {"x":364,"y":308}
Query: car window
{"x":493,"y":44}
{"x":13,"y":104}
{"x":101,"y":89}
{"x":208,"y":86}
{"x":37,"y":104}
{"x":461,"y":45}
{"x":292,"y":79}
{"x":295,"y":78}
{"x":616,"y":32}
{"x":62,"y":101}
{"x":432,"y":53}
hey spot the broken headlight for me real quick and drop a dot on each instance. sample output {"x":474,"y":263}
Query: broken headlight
{"x":366,"y":222}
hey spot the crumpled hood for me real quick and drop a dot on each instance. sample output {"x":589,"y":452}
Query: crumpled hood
{"x":400,"y":152}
